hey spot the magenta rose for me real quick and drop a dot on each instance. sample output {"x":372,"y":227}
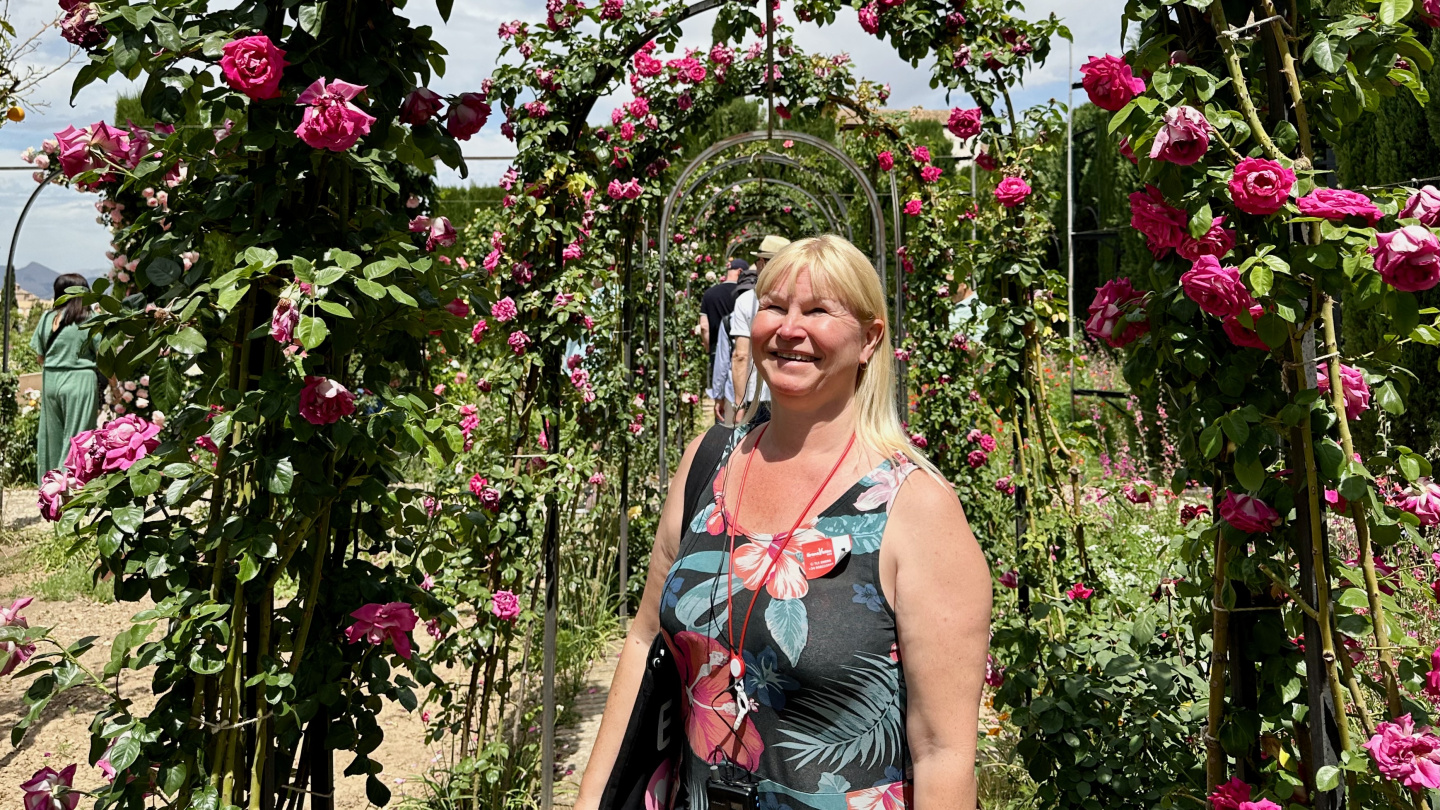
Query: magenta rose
{"x":126,"y":440}
{"x":1338,"y":204}
{"x":1107,"y":314}
{"x":331,"y":121}
{"x":74,"y":150}
{"x":283,"y":321}
{"x":986,"y":161}
{"x":913,"y":207}
{"x":1183,"y":138}
{"x":324,"y":401}
{"x":1248,"y":513}
{"x":1078,"y":592}
{"x":86,"y":458}
{"x":1242,"y":336}
{"x":55,"y":488}
{"x":519,"y":342}
{"x":376,"y":622}
{"x":504,"y":310}
{"x":1408,"y":259}
{"x":886,"y":161}
{"x":1357,"y":391}
{"x":467,"y":115}
{"x":420,"y":106}
{"x":16,"y":653}
{"x":1230,"y":795}
{"x":964,"y":124}
{"x":253,"y":65}
{"x":81,"y":27}
{"x":1260,"y":186}
{"x":1012,"y":191}
{"x":458,"y":307}
{"x":1110,"y":82}
{"x":49,"y":789}
{"x":1423,"y":205}
{"x":870,"y":18}
{"x":1162,"y":224}
{"x":1215,"y":288}
{"x":488,"y":496}
{"x":1405,"y":754}
{"x":505,"y":606}
{"x":1216,"y":242}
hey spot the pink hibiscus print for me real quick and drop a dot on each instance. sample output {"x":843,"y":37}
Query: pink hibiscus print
{"x":881,"y":797}
{"x":888,"y":479}
{"x":709,"y":707}
{"x":785,"y":578}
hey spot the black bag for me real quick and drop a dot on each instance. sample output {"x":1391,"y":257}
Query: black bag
{"x":655,"y":736}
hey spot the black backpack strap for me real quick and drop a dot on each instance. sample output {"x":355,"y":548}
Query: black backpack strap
{"x":702,"y":467}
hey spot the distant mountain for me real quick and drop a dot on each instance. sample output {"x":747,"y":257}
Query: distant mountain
{"x":39,"y":280}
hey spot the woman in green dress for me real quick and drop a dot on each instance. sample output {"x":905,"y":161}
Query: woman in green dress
{"x":69,"y":398}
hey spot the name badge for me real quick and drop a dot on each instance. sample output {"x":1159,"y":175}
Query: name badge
{"x":820,"y":554}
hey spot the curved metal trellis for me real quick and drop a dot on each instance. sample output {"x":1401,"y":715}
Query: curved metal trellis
{"x":9,"y":293}
{"x":830,"y":218}
{"x":841,"y":208}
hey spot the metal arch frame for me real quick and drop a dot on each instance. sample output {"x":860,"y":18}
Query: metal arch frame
{"x":768,"y":157}
{"x":677,"y":192}
{"x":704,"y":211}
{"x":9,"y":293}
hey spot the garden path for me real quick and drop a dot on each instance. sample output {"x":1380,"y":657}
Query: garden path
{"x":574,"y":741}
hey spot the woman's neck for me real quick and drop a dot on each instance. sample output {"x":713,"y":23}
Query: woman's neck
{"x":823,"y":430}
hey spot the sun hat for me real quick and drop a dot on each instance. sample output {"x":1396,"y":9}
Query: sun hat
{"x":769,"y":245}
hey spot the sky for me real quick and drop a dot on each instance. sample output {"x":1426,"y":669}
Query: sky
{"x":61,"y":231}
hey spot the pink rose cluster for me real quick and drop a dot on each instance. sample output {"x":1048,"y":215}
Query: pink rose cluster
{"x":1248,"y":513}
{"x":1406,"y":754}
{"x":1162,"y":224}
{"x":1107,"y":322}
{"x":15,"y":653}
{"x":324,"y":401}
{"x":1408,"y":259}
{"x":331,"y":120}
{"x":1235,"y":795}
{"x":377,"y":622}
{"x":1357,"y":391}
{"x":628,"y":190}
{"x":488,"y":496}
{"x":114,"y":447}
{"x":254,"y":66}
{"x":99,"y":147}
{"x":1338,"y":205}
{"x":1110,"y":82}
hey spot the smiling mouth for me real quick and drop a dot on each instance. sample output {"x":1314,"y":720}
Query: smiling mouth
{"x":798,"y":358}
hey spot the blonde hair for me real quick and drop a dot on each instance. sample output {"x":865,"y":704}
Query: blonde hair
{"x":840,"y":271}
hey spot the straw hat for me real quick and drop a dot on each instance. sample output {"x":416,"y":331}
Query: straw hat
{"x":769,"y":245}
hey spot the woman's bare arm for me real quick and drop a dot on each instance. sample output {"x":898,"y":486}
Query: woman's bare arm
{"x":643,"y":629}
{"x":941,"y":596}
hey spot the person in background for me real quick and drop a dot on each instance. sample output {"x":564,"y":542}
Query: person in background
{"x":968,"y":315}
{"x":69,"y":396}
{"x":748,"y":389}
{"x":715,"y":308}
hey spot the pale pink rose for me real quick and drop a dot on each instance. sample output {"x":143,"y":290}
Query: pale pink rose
{"x":1260,"y":186}
{"x":1183,"y":138}
{"x":324,"y":401}
{"x":1408,"y":259}
{"x":331,"y":121}
{"x":376,"y":622}
{"x":1248,"y":513}
{"x":1162,"y":224}
{"x":1078,"y":591}
{"x":1216,"y":289}
{"x":505,"y":606}
{"x":1012,"y":191}
{"x":1216,"y":242}
{"x":420,"y":106}
{"x":1423,"y":205}
{"x":1423,"y":502}
{"x":1110,"y":82}
{"x":49,"y":789}
{"x":86,"y":457}
{"x":1230,"y":795}
{"x":283,"y":321}
{"x":442,"y":234}
{"x":55,"y":488}
{"x":1337,"y":205}
{"x":964,"y":124}
{"x":126,"y":440}
{"x":254,"y":66}
{"x":1405,"y":754}
{"x":467,"y":115}
{"x":1113,"y":301}
{"x":1357,"y":391}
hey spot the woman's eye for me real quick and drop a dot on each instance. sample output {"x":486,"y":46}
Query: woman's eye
{"x":817,"y":311}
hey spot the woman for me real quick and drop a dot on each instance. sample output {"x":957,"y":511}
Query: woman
{"x":69,"y":399}
{"x":854,"y":687}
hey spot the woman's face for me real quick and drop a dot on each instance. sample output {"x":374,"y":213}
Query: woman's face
{"x":808,"y":344}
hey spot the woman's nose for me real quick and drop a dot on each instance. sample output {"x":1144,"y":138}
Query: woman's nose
{"x":790,"y":325}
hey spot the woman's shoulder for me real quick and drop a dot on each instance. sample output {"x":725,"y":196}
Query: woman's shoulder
{"x":926,"y":507}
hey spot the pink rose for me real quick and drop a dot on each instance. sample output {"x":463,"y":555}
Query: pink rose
{"x":420,"y":106}
{"x":1107,"y":321}
{"x":912,"y":208}
{"x":1010,"y":579}
{"x":86,"y":458}
{"x":488,"y":496}
{"x":1423,"y":502}
{"x":1338,"y":204}
{"x":1110,"y":82}
{"x":1216,"y":289}
{"x":1240,"y":335}
{"x":49,"y":789}
{"x":1402,"y":753}
{"x":976,"y":459}
{"x":504,"y":310}
{"x":929,"y":174}
{"x":442,"y":234}
{"x":1357,"y":392}
{"x":994,"y":674}
{"x":1216,"y":242}
{"x":1078,"y":591}
{"x":1230,"y":795}
{"x":920,"y":154}
{"x":127,"y":440}
{"x":80,"y":27}
{"x":55,"y":487}
{"x":1005,"y":485}
{"x":1260,"y":186}
{"x":331,"y":121}
{"x":518,"y":342}
{"x":1423,"y":205}
{"x":885,"y":160}
{"x":324,"y":401}
{"x":505,"y":605}
{"x":254,"y":66}
{"x":986,"y":161}
{"x":870,"y":18}
{"x":1408,"y":259}
{"x":1432,"y":678}
{"x":467,"y":115}
{"x":628,"y":190}
{"x":987,"y":443}
{"x":964,"y":124}
{"x":458,"y":308}
{"x":15,"y":654}
{"x":376,"y":622}
{"x":1162,"y":224}
{"x":283,"y":321}
{"x":1127,"y":151}
{"x":1184,"y":137}
{"x":1012,"y":191}
{"x":1248,"y":513}
{"x":478,"y":331}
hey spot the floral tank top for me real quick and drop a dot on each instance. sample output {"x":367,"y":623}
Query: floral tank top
{"x":826,"y":725}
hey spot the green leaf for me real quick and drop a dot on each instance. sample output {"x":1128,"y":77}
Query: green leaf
{"x":402,"y":296}
{"x":162,"y":272}
{"x":145,"y":483}
{"x":187,"y":341}
{"x":370,"y":288}
{"x":1326,"y":54}
{"x":124,"y":751}
{"x":1211,"y":442}
{"x":1251,"y":473}
{"x":1235,"y":427}
{"x":376,"y":792}
{"x":1261,"y":278}
{"x":1353,"y":598}
{"x":345,"y":259}
{"x":1389,"y":399}
{"x":1409,"y":466}
{"x":128,"y":518}
{"x":1201,"y":221}
{"x":1327,"y":778}
{"x":282,"y":477}
{"x":1142,"y":631}
{"x":336,"y":309}
{"x":312,"y":15}
{"x":311,"y":332}
{"x":1393,"y":11}
{"x":248,"y":567}
{"x":329,"y":276}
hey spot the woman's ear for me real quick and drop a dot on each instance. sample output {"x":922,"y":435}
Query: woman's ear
{"x":873,"y":334}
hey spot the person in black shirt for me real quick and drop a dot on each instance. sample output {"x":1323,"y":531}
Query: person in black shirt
{"x":715,"y":309}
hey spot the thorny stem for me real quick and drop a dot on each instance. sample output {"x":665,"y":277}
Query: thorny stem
{"x":1356,"y":696}
{"x":1292,"y":79}
{"x":1295,"y":597}
{"x":1219,"y":657}
{"x":1237,"y":79}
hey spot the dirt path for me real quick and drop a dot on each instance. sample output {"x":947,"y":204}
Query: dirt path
{"x":573,"y":743}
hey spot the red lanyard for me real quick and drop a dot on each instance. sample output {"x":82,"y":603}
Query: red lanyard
{"x":777,"y":547}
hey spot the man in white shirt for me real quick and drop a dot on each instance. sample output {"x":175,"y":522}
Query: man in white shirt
{"x":745,"y":393}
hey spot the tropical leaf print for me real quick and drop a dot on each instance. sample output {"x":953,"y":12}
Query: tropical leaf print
{"x":859,"y":717}
{"x":707,"y":598}
{"x":865,"y":530}
{"x":789,"y":623}
{"x":697,"y":525}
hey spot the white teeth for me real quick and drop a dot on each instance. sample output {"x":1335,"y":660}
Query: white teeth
{"x":788,"y":356}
